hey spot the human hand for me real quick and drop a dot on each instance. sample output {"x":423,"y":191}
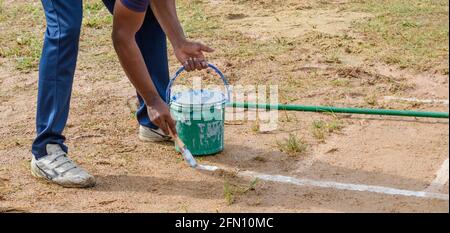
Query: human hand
{"x":159,"y":114}
{"x":191,"y":56}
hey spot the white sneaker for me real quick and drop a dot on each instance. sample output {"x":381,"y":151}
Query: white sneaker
{"x":57,"y":168}
{"x":152,"y":135}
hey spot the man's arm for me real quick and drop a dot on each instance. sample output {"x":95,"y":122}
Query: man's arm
{"x":190,"y":54}
{"x":125,"y":25}
{"x":166,"y":13}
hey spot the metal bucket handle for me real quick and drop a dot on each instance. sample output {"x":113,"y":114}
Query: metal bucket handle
{"x":172,"y":80}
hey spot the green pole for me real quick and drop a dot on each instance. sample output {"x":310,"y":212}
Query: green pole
{"x":368,"y":111}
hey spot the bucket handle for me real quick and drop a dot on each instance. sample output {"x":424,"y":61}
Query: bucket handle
{"x":181,"y":69}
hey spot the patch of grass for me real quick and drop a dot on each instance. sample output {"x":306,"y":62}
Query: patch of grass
{"x":293,"y":145}
{"x":231,"y":190}
{"x":318,"y":130}
{"x":196,"y":23}
{"x":24,"y":24}
{"x":19,"y":40}
{"x":252,"y":185}
{"x":96,"y":15}
{"x":321,"y":129}
{"x":27,"y":52}
{"x":410,"y":34}
{"x":407,"y":34}
{"x":335,"y":126}
{"x":371,"y":99}
{"x":228,"y":193}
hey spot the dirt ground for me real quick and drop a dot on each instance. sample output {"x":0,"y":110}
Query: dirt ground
{"x":318,"y":53}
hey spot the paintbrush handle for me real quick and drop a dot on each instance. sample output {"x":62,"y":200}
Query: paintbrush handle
{"x":184,"y":150}
{"x":177,"y":140}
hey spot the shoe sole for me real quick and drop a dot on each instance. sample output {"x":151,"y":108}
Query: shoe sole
{"x":41,"y":177}
{"x":149,"y":139}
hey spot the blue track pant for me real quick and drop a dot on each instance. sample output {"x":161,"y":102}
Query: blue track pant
{"x":58,"y":62}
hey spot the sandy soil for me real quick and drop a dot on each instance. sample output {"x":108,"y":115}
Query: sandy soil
{"x":134,"y":176}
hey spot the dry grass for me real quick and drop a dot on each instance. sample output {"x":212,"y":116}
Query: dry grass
{"x":410,"y":34}
{"x":230,"y":191}
{"x":321,"y":129}
{"x":293,"y":145}
{"x":20,"y":39}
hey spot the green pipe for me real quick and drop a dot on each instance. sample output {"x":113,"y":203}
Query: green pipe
{"x":369,"y":111}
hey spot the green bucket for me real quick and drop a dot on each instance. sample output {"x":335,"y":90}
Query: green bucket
{"x":200,"y":116}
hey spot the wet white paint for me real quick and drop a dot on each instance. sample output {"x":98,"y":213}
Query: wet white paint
{"x":437,"y":185}
{"x":207,"y":167}
{"x":336,"y":185}
{"x":188,"y":157}
{"x":345,"y":186}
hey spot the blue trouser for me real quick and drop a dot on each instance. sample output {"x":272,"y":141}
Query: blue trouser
{"x":58,"y":62}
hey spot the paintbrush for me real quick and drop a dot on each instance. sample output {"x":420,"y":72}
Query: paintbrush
{"x":184,"y":151}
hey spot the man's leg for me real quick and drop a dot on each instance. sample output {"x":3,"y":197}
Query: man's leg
{"x":151,"y":40}
{"x":56,"y":70}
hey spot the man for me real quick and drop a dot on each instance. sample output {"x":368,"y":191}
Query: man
{"x":139,"y":36}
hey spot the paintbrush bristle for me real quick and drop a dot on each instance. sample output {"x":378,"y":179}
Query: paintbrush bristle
{"x":185,"y":152}
{"x":188,"y":157}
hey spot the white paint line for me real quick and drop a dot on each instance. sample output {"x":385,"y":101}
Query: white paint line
{"x":207,"y":167}
{"x":337,"y":185}
{"x":441,"y":179}
{"x":426,"y":101}
{"x":346,"y":186}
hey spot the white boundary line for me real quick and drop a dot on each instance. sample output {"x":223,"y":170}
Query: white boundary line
{"x":426,"y":101}
{"x":441,"y":179}
{"x":336,"y":185}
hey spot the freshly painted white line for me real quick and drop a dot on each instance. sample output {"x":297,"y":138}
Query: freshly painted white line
{"x":336,"y":185}
{"x":345,"y":186}
{"x":207,"y":167}
{"x":441,"y":179}
{"x":426,"y":101}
